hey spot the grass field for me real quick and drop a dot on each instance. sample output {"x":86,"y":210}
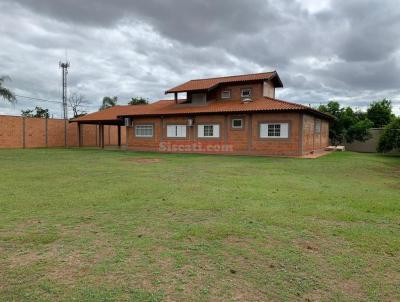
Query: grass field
{"x":92,"y":225}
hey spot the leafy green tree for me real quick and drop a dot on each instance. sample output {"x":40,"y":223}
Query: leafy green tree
{"x":359,"y":131}
{"x":5,"y":93}
{"x":37,"y":112}
{"x":109,"y":102}
{"x":348,"y":126}
{"x":390,"y":138}
{"x":380,"y":113}
{"x":138,"y":101}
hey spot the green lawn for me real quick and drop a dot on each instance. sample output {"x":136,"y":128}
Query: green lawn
{"x":92,"y":225}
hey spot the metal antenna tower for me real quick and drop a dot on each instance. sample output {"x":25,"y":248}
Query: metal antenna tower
{"x":64,"y":67}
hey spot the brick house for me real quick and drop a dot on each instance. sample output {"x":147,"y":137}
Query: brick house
{"x":230,"y":115}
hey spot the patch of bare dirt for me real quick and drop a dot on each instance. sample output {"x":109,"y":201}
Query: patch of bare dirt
{"x":23,"y":259}
{"x":395,"y":186}
{"x":307,"y":245}
{"x":315,"y":295}
{"x":74,"y":265}
{"x":351,"y":288}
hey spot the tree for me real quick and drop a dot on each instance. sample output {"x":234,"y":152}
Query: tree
{"x":138,"y":101}
{"x":348,"y":126}
{"x":380,"y":113}
{"x":359,"y":131}
{"x":5,"y":93}
{"x":109,"y":102}
{"x":40,"y":112}
{"x":76,"y":101}
{"x":390,"y":138}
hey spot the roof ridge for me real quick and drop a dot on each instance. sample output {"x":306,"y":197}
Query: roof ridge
{"x":233,"y":76}
{"x":287,"y":102}
{"x":302,"y":106}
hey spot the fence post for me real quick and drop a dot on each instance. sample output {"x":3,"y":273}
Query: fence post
{"x":65,"y":133}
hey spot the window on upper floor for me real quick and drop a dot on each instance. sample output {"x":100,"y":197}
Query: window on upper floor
{"x":199,"y":98}
{"x":226,"y":94}
{"x":246,"y":93}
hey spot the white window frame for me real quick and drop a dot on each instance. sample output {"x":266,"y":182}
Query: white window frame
{"x":215,"y":131}
{"x":245,"y":96}
{"x":144,"y":127}
{"x":267,"y":128}
{"x":176,"y":131}
{"x":317,"y":128}
{"x":233,"y":123}
{"x":226,"y":94}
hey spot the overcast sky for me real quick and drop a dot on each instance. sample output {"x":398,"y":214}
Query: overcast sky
{"x":344,"y":50}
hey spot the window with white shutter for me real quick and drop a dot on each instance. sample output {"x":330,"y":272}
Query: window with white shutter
{"x":176,"y":130}
{"x":211,"y":130}
{"x":274,"y":130}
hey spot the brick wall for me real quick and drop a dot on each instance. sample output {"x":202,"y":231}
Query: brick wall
{"x":277,"y":146}
{"x":11,"y":132}
{"x":236,"y":90}
{"x":242,"y":141}
{"x":311,"y":139}
{"x":19,"y":132}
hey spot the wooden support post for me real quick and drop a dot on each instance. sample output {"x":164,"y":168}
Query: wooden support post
{"x":127,"y":136}
{"x":176,"y":98}
{"x":102,"y":136}
{"x":99,"y":127}
{"x":119,"y":136}
{"x":79,"y":135}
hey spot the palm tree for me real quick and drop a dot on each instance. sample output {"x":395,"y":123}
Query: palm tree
{"x":109,"y":102}
{"x":5,"y":93}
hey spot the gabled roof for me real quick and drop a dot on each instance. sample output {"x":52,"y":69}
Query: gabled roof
{"x":106,"y":116}
{"x":169,"y":107}
{"x":207,"y":84}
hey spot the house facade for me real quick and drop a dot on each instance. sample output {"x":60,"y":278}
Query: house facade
{"x":228,"y":115}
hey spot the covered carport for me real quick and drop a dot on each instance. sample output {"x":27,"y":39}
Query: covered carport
{"x":107,"y":117}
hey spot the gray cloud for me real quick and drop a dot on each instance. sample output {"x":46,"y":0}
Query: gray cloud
{"x":323,"y":50}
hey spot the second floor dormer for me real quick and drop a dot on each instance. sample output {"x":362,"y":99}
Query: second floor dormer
{"x":241,"y":87}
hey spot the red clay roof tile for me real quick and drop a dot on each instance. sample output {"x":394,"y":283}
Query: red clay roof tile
{"x":169,"y":107}
{"x":206,"y":84}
